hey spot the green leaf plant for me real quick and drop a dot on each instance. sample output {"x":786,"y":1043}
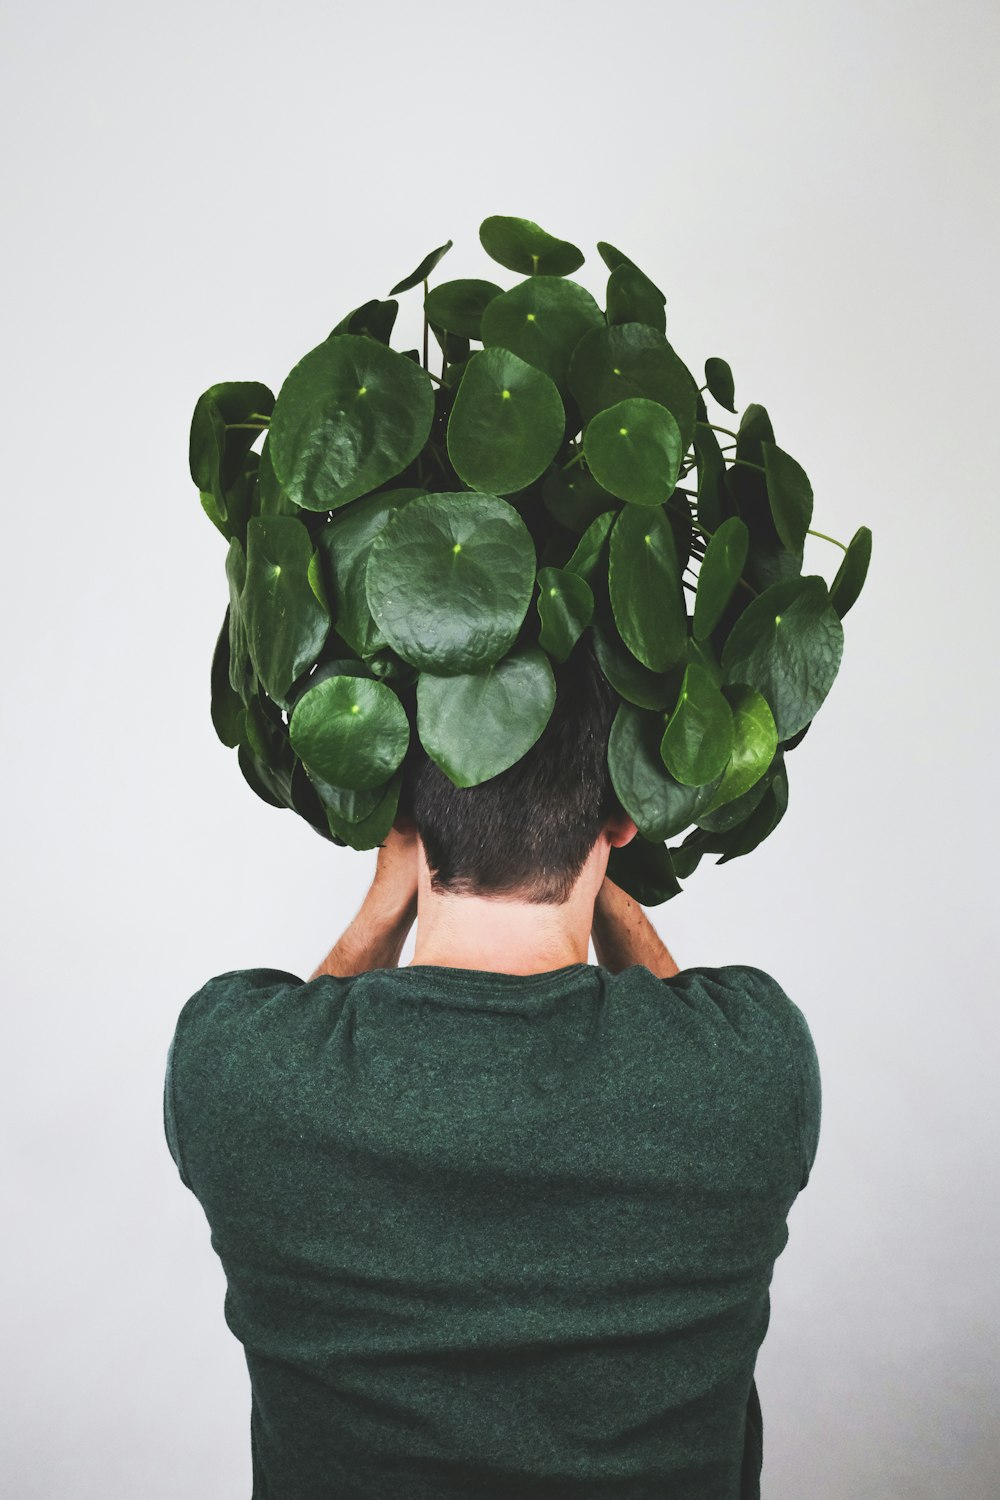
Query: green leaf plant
{"x":411,"y":552}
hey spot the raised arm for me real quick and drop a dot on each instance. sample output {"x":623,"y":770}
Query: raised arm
{"x":623,"y":934}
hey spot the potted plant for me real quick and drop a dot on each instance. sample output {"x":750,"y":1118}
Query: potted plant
{"x":411,"y":553}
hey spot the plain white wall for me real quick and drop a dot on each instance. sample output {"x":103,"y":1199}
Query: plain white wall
{"x":199,"y":193}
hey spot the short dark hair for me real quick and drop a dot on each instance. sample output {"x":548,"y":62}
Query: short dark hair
{"x":524,"y":834}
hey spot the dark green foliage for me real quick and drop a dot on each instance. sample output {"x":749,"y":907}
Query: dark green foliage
{"x":410,"y":553}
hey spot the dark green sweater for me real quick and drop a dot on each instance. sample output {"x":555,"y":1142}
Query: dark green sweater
{"x":494,"y":1235}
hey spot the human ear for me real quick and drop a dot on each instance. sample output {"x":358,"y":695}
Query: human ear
{"x":621,"y":831}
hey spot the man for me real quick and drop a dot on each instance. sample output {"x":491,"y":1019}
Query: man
{"x":499,"y":1222}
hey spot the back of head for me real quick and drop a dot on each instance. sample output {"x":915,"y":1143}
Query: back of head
{"x":525,"y":834}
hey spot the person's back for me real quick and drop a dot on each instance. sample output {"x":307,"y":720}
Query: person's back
{"x":499,"y":1222}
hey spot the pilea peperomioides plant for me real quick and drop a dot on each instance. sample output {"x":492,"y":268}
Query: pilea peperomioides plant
{"x":409,"y":553}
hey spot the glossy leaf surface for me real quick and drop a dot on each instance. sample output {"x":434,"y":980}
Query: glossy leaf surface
{"x":422,"y":272}
{"x":658,"y":804}
{"x":344,"y":544}
{"x":287,"y":620}
{"x":449,"y":580}
{"x":542,"y":320}
{"x":790,"y":495}
{"x":755,"y":740}
{"x":351,"y":415}
{"x":521,"y":245}
{"x":699,"y":736}
{"x":850,"y":577}
{"x":719,"y":574}
{"x":506,"y":423}
{"x":565,"y":608}
{"x":612,"y":364}
{"x":351,"y":731}
{"x":644,"y":587}
{"x":633,"y":449}
{"x":476,"y":725}
{"x":787,"y":644}
{"x":458,"y":306}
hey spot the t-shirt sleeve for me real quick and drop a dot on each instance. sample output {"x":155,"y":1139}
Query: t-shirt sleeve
{"x":208,"y":1004}
{"x":804,"y":1062}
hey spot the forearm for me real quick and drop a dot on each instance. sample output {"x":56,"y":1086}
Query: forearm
{"x":374,"y":939}
{"x":623,"y":935}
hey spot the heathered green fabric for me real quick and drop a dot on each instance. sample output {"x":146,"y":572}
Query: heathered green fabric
{"x":493,"y":1235}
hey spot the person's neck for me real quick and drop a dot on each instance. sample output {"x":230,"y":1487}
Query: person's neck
{"x":473,"y":932}
{"x":507,"y":937}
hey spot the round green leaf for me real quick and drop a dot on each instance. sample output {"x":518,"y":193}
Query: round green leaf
{"x":259,"y":778}
{"x":374,"y":318}
{"x":853,"y":571}
{"x":371,"y":831}
{"x":227,"y":706}
{"x":630,"y":359}
{"x":719,"y":574}
{"x":347,"y":666}
{"x":344,"y":544}
{"x":350,"y":415}
{"x":715,"y":501}
{"x":644,"y":871}
{"x":790,"y":495}
{"x":287,"y":622}
{"x":755,"y":739}
{"x":424,"y":269}
{"x":574,"y":498}
{"x":634,"y":450}
{"x":644,"y":587}
{"x":698,"y":740}
{"x":305,"y":801}
{"x":222,"y":434}
{"x":449,"y":580}
{"x":242,"y":677}
{"x":719,"y":379}
{"x":633,"y":298}
{"x":788,"y":644}
{"x":542,"y":320}
{"x":629,"y":678}
{"x":522,"y":246}
{"x":754,"y":430}
{"x":458,"y":306}
{"x":506,"y":424}
{"x":658,"y":804}
{"x":762,"y":821}
{"x":588,"y":550}
{"x":701,"y":653}
{"x":271,"y":498}
{"x":347,"y":806}
{"x":565,"y":608}
{"x":476,"y":725}
{"x":358,"y":819}
{"x":266,"y":746}
{"x":612,"y":257}
{"x":351,"y":731}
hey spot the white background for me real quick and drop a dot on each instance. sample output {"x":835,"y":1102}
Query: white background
{"x":199,"y":192}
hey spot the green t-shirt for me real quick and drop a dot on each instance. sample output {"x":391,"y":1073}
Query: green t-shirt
{"x":496,"y":1235}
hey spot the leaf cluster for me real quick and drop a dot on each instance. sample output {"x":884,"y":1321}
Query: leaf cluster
{"x":410,"y":553}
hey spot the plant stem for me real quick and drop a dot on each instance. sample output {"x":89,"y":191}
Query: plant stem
{"x":745,"y":463}
{"x":575,"y":460}
{"x":826,"y":538}
{"x":727,"y":430}
{"x":426,"y":291}
{"x":250,"y":426}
